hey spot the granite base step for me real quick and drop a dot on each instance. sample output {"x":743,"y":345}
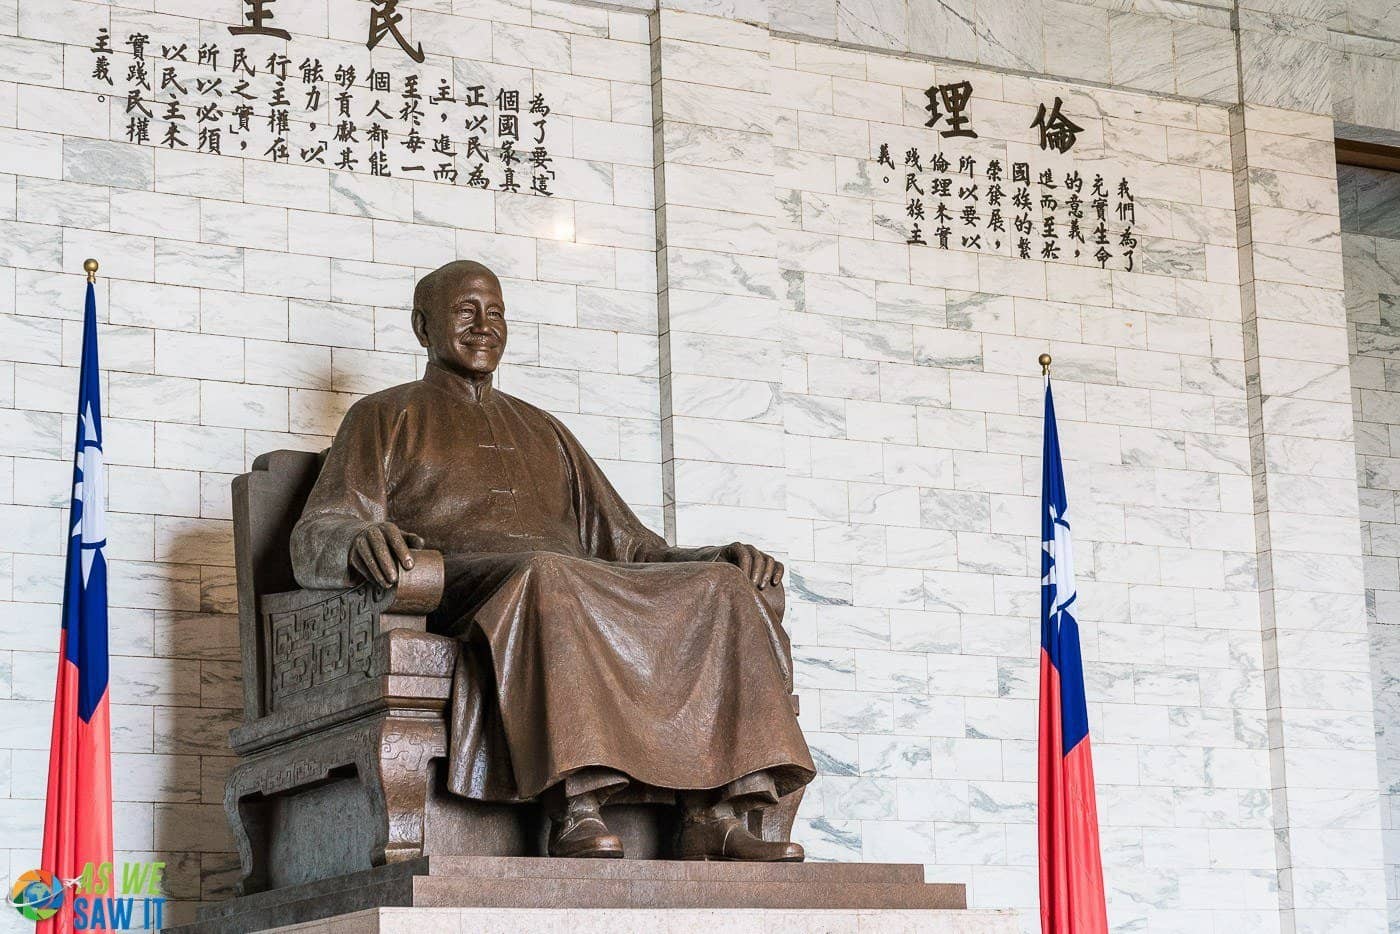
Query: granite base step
{"x":658,"y":921}
{"x":454,"y":884}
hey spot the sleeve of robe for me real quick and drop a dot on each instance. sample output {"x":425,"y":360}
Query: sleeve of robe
{"x":607,"y":526}
{"x":350,"y":494}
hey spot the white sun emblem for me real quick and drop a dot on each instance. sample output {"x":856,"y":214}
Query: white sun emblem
{"x":90,"y":525}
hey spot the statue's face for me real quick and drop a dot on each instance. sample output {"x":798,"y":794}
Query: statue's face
{"x":465,"y":328}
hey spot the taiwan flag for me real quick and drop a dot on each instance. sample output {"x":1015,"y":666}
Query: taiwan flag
{"x":1071,"y":873}
{"x":78,"y":812}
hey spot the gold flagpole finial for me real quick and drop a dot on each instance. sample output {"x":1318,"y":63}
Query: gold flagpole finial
{"x":1045,"y":364}
{"x":90,"y":267}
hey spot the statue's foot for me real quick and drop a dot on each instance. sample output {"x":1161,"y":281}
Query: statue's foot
{"x":583,"y":835}
{"x":728,"y":838}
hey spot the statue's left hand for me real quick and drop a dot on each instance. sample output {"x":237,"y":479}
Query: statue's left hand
{"x":380,"y":550}
{"x":763,"y":570}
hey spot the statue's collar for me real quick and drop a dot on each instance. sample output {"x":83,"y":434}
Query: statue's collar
{"x":460,"y":388}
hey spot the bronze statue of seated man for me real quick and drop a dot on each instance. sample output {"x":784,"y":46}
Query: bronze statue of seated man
{"x":594,"y":654}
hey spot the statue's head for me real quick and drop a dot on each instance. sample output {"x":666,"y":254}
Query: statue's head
{"x":460,"y":316}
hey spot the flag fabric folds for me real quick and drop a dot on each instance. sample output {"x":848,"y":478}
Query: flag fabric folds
{"x":1071,"y":871}
{"x":78,"y":811}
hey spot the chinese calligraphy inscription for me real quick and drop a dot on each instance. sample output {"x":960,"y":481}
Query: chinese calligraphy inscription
{"x":330,"y":114}
{"x":970,"y":205}
{"x":1047,"y":210}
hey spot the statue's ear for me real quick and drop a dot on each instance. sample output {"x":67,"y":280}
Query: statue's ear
{"x":420,"y":326}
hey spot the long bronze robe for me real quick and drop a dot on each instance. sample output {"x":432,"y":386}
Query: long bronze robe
{"x":578,"y":650}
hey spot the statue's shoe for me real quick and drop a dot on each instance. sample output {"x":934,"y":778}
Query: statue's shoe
{"x":729,"y":838}
{"x":583,"y":836}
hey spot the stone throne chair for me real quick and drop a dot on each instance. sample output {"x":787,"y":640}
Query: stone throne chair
{"x":342,"y":750}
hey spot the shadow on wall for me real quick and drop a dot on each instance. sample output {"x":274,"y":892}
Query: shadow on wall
{"x":189,"y":832}
{"x":200,"y":652}
{"x":1370,"y":201}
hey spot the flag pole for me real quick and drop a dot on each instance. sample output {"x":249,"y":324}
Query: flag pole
{"x":1071,"y":865}
{"x":77,"y":840}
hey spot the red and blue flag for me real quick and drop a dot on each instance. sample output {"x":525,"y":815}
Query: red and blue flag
{"x":1071,"y":871}
{"x":78,"y":811}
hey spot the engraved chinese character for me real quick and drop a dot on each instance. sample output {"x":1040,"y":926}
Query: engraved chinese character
{"x":884,"y":157}
{"x":1057,"y":131}
{"x":954,"y":98}
{"x":257,"y":16}
{"x":384,"y":19}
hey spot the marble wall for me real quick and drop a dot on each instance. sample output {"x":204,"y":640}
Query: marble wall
{"x":244,"y":306}
{"x":1307,"y":528}
{"x":1338,"y":57}
{"x":913,"y":410}
{"x":1371,"y":245}
{"x":721,"y":301}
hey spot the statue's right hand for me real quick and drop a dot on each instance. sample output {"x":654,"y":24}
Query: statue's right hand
{"x":379,"y":551}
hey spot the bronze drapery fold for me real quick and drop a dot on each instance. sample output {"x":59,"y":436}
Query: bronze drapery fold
{"x":583,"y":645}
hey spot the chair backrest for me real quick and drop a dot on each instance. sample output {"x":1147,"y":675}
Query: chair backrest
{"x":267,"y":501}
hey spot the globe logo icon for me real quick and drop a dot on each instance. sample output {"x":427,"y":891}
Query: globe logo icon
{"x":37,"y":895}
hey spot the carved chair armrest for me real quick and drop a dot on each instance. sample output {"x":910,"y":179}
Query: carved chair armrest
{"x":320,"y":642}
{"x":405,"y":653}
{"x":419,"y":590}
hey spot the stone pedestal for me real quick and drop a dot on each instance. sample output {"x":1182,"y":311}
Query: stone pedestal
{"x":476,"y":894}
{"x":656,"y":921}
